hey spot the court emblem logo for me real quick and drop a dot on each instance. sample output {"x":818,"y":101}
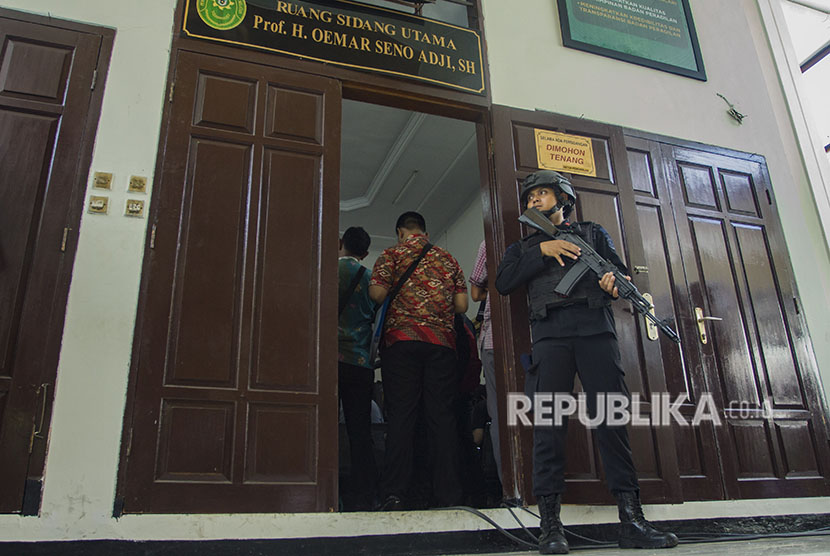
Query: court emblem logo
{"x":222,"y":14}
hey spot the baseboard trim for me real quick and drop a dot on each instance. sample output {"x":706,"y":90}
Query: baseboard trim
{"x":422,"y":544}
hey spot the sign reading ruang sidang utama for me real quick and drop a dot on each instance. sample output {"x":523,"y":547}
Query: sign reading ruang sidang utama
{"x":345,"y":33}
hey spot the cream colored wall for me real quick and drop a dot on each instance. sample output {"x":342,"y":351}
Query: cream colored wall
{"x":85,"y":437}
{"x":530,"y":69}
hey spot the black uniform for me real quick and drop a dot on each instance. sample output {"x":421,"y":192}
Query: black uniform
{"x":574,"y":334}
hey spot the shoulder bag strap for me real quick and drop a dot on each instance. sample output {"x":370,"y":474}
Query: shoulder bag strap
{"x":397,"y":287}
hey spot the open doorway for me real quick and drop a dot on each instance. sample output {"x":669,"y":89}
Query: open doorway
{"x":393,"y":161}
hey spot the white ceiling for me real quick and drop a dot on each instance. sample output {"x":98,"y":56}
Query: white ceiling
{"x":393,"y":161}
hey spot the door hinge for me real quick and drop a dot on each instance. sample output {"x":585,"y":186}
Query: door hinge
{"x":37,"y":426}
{"x":129,"y":441}
{"x":795,"y":303}
{"x":769,"y":197}
{"x":153,"y":237}
{"x":172,"y":89}
{"x":491,"y":147}
{"x":94,"y":79}
{"x":63,"y":241}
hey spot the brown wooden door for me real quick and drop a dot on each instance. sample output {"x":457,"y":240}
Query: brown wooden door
{"x":607,"y":199}
{"x":698,"y":462}
{"x":235,"y":406}
{"x":47,"y":123}
{"x":737,"y":269}
{"x":714,"y":243}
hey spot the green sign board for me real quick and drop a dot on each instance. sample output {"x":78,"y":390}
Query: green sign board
{"x":656,"y":33}
{"x":346,"y":33}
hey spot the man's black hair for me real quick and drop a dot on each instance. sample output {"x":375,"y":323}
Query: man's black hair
{"x":411,"y":221}
{"x":356,"y":241}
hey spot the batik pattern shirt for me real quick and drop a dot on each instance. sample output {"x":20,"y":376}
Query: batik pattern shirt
{"x":423,"y":310}
{"x":354,"y":328}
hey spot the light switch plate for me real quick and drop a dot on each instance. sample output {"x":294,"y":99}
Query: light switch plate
{"x":102,"y":180}
{"x":98,"y":205}
{"x":135,"y":208}
{"x":138,"y":184}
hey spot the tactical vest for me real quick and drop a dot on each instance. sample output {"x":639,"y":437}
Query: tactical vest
{"x":540,"y":288}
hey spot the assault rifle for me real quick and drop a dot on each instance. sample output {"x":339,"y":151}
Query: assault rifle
{"x":591,"y":260}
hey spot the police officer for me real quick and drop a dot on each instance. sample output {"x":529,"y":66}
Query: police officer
{"x":574,"y":334}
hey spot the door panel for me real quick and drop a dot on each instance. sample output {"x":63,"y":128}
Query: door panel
{"x":202,"y":344}
{"x":697,"y":452}
{"x":737,"y":269}
{"x":713,"y":242}
{"x":235,"y":403}
{"x":279,"y":363}
{"x":728,"y":337}
{"x":608,"y":199}
{"x":45,"y":101}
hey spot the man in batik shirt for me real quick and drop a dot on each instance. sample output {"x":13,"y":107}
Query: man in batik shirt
{"x":418,"y":360}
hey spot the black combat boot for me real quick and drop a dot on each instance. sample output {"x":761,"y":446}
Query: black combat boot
{"x":635,"y":531}
{"x":552,"y":535}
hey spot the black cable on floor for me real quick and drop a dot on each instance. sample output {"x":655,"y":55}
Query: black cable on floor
{"x":502,"y":530}
{"x":688,"y":538}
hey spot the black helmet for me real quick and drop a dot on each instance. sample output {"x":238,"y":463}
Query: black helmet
{"x":560,"y":183}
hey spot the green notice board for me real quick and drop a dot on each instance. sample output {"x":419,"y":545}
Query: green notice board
{"x":658,"y":34}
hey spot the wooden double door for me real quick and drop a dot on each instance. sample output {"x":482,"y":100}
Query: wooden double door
{"x":699,"y":228}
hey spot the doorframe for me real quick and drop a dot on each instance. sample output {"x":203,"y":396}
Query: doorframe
{"x":357,"y":86}
{"x":57,"y":310}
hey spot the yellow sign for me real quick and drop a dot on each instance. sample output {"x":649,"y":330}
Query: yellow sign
{"x":565,"y":153}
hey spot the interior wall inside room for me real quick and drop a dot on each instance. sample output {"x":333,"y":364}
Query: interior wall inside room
{"x":462,"y":239}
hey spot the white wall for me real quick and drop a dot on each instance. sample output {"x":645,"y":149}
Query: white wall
{"x":530,"y":69}
{"x":462,"y":239}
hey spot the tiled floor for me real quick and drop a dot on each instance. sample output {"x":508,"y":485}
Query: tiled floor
{"x":794,"y":546}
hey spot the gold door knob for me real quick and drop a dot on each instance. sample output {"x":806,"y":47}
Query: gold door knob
{"x":651,"y":328}
{"x":701,"y":327}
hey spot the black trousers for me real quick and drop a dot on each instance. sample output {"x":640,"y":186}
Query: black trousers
{"x":597,"y":361}
{"x":355,"y":391}
{"x":420,"y":373}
